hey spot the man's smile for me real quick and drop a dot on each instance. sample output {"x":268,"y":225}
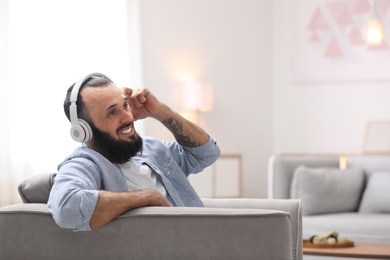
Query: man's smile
{"x":126,"y":130}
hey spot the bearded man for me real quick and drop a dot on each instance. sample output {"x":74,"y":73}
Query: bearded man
{"x":116,"y":170}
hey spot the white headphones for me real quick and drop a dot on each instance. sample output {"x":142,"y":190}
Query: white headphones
{"x":80,"y":130}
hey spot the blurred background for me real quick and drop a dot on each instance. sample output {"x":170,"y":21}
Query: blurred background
{"x":243,"y":49}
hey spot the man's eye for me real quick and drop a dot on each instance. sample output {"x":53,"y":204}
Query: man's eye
{"x":126,"y":105}
{"x":112,"y":112}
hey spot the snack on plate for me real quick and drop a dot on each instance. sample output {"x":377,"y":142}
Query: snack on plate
{"x":328,"y":238}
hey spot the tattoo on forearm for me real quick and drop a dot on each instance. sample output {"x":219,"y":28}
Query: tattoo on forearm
{"x":176,"y":127}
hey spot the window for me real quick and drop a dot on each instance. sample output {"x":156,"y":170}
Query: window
{"x":46,"y":46}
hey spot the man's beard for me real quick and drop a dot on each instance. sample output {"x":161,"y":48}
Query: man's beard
{"x":116,"y":151}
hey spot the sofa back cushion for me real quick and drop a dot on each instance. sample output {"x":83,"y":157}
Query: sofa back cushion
{"x":376,"y":196}
{"x":327,"y":190}
{"x":36,"y":189}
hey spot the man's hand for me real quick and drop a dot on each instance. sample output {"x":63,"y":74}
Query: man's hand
{"x":143,"y":103}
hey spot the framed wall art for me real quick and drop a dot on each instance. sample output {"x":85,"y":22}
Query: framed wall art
{"x":377,"y":138}
{"x":328,"y":41}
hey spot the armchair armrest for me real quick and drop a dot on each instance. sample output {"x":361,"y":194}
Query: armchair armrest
{"x":29,"y":231}
{"x":287,"y":205}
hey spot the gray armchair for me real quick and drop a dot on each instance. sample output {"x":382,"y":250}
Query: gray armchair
{"x":223,"y":229}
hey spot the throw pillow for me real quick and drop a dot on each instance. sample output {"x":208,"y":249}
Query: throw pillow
{"x":376,"y":196}
{"x":327,"y":190}
{"x":36,"y":189}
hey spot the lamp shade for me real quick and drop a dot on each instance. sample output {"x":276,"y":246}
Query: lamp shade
{"x":196,"y":96}
{"x":374,"y":30}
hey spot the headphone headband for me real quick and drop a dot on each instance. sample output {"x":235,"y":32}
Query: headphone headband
{"x":80,"y":82}
{"x":80,"y":130}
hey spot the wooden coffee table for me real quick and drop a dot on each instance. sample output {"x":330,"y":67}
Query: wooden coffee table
{"x":360,"y":250}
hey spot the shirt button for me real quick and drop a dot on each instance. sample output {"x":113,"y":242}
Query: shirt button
{"x":168,"y":172}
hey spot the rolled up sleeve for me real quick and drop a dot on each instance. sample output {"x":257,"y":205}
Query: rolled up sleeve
{"x":74,"y":195}
{"x":195,"y":159}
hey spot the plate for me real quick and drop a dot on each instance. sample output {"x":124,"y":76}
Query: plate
{"x":348,"y":243}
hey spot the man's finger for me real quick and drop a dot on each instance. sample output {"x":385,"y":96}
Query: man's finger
{"x":127,"y":91}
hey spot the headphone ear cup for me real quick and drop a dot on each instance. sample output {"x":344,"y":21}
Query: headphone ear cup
{"x":81,"y":132}
{"x":87,"y":130}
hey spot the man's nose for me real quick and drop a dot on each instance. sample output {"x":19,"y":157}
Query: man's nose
{"x":126,"y":117}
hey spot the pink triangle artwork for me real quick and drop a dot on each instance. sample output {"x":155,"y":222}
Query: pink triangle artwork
{"x":328,"y":42}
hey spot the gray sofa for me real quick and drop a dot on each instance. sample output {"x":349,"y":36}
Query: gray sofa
{"x":355,"y":201}
{"x":223,"y":229}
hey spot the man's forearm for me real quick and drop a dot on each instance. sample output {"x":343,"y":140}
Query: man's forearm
{"x":185,"y":132}
{"x":112,"y":204}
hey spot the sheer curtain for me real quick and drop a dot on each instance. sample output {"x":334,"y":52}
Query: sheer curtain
{"x":45,"y":46}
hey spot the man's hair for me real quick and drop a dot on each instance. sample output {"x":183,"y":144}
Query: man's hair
{"x":82,"y":111}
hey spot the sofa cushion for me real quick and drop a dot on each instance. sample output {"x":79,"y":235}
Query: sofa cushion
{"x":376,"y":196}
{"x":36,"y":189}
{"x":327,"y":190}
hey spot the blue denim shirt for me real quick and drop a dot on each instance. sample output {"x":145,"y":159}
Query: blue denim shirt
{"x":75,"y":192}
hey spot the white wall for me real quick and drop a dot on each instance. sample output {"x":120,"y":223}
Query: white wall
{"x":319,"y":118}
{"x":228,"y":44}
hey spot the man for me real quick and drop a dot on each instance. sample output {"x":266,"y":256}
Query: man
{"x":117,"y":170}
